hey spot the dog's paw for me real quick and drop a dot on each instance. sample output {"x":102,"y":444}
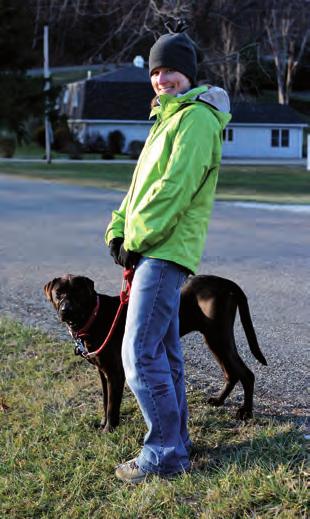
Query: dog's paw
{"x":217,"y":402}
{"x":244,"y":414}
{"x":107,"y":428}
{"x":103,"y":427}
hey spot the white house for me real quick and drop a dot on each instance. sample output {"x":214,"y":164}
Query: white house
{"x":263,"y":131}
{"x":120,"y":100}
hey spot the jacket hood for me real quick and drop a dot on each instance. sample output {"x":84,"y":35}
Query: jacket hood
{"x":215,"y":98}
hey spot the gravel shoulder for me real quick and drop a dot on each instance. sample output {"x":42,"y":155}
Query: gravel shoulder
{"x":49,"y":229}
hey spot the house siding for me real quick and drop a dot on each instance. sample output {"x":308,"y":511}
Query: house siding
{"x":255,"y":142}
{"x":248,"y":141}
{"x":120,"y":100}
{"x":132,"y":131}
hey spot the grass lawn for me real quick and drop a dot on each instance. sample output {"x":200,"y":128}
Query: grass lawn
{"x":33,"y":151}
{"x":115,"y":176}
{"x":55,"y":463}
{"x":282,"y":184}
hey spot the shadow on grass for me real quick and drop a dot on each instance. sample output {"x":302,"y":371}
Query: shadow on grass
{"x":266,"y":441}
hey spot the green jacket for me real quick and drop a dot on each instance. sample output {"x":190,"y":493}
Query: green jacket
{"x":166,"y":211}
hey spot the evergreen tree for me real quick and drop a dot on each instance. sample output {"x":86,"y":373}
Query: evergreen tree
{"x":21,"y":96}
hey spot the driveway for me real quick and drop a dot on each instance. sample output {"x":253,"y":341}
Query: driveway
{"x":49,"y":229}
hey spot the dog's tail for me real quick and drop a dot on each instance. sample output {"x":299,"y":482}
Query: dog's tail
{"x":248,"y":327}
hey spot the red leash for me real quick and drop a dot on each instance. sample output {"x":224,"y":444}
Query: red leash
{"x":124,"y":298}
{"x":83,"y":331}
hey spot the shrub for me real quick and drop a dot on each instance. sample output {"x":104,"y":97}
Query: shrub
{"x":107,"y":155}
{"x":7,"y":144}
{"x":39,"y":136}
{"x":73,"y":149}
{"x":26,"y":130}
{"x":94,"y":143}
{"x":62,"y":138}
{"x":116,"y":141}
{"x":135,"y":148}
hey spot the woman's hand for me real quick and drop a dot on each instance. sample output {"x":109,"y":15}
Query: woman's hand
{"x":114,"y":246}
{"x":128,"y":258}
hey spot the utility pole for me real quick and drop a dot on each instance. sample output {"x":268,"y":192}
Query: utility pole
{"x":47,"y":86}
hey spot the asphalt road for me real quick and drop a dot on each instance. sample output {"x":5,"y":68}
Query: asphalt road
{"x":48,"y":229}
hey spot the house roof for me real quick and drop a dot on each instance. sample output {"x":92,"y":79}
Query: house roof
{"x":126,"y":94}
{"x":114,"y":100}
{"x":263,"y":113}
{"x":126,"y":74}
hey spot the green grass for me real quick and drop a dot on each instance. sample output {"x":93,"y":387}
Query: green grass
{"x":62,"y":77}
{"x":116,"y":176}
{"x":55,"y":463}
{"x":281,"y":184}
{"x":69,"y":74}
{"x":33,"y":151}
{"x":286,"y":184}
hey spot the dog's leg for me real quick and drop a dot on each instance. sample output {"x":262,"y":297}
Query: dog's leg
{"x":233,"y":366}
{"x":234,"y":369}
{"x":225,"y":391}
{"x":218,"y":347}
{"x":220,"y":338}
{"x":209,"y":305}
{"x":115,"y":388}
{"x":105,"y":399}
{"x":247,"y":380}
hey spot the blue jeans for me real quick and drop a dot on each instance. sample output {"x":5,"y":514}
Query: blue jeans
{"x":154,"y":367}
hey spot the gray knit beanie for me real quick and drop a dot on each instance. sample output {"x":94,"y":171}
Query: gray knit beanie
{"x":175,"y":50}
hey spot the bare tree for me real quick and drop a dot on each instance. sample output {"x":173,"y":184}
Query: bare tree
{"x":223,"y":31}
{"x":226,"y":55}
{"x":125,"y":26}
{"x":287,"y":30}
{"x":135,"y":22}
{"x":227,"y":32}
{"x":63,"y":17}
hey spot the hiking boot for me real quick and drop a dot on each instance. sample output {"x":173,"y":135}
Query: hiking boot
{"x":130,"y":472}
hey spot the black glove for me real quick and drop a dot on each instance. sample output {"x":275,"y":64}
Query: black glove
{"x":128,"y":258}
{"x":114,"y":246}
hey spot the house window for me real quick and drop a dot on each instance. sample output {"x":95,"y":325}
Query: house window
{"x":280,"y":138}
{"x":285,"y":138}
{"x":228,"y":134}
{"x":275,"y":138}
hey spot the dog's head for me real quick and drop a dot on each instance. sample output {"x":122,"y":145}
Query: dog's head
{"x":73,"y":297}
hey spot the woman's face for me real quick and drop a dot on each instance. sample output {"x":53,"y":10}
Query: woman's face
{"x":169,"y":81}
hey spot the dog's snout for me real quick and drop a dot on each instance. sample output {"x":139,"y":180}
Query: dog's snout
{"x":65,"y":307}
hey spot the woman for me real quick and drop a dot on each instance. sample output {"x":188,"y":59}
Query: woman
{"x":160,"y":230}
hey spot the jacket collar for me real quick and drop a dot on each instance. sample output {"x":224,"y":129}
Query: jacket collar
{"x":169,"y":104}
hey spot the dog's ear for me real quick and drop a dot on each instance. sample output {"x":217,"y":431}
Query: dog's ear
{"x":88,"y":282}
{"x":49,"y":287}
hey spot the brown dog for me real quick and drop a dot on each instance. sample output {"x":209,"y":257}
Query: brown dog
{"x":208,"y":305}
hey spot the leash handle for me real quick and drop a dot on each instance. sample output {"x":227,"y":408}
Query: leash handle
{"x":124,"y":298}
{"x":126,"y":285}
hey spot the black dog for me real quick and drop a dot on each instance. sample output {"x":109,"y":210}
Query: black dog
{"x":208,"y":305}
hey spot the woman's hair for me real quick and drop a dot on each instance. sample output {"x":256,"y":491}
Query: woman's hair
{"x":154,"y":101}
